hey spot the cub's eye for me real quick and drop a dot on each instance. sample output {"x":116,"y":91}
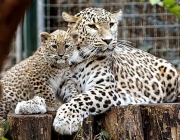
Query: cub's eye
{"x":111,"y":24}
{"x":66,"y":46}
{"x":93,"y":26}
{"x":54,"y":46}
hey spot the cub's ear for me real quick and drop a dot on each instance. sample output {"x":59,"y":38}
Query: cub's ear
{"x":70,"y":18}
{"x":118,"y":15}
{"x":44,"y":36}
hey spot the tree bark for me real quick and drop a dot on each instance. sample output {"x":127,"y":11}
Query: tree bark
{"x":86,"y":132}
{"x":1,"y":127}
{"x":161,"y":121}
{"x":132,"y":122}
{"x":30,"y":127}
{"x":11,"y":12}
{"x":123,"y":123}
{"x":55,"y":135}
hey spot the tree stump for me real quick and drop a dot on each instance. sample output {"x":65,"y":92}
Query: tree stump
{"x":123,"y":123}
{"x":30,"y":127}
{"x":161,"y":121}
{"x":131,"y":122}
{"x":54,"y":134}
{"x":85,"y":132}
{"x":1,"y":127}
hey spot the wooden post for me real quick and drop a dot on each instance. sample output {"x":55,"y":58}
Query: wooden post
{"x":1,"y":127}
{"x":30,"y":127}
{"x":88,"y":128}
{"x":86,"y":132}
{"x":161,"y":121}
{"x":132,"y":122}
{"x":55,"y":135}
{"x":123,"y":123}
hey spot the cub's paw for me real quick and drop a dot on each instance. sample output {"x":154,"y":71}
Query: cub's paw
{"x":68,"y":119}
{"x":36,"y":105}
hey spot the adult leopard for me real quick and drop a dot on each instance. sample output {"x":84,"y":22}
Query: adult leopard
{"x":40,"y":75}
{"x":110,"y":73}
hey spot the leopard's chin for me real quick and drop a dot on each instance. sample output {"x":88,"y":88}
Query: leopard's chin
{"x":109,"y":50}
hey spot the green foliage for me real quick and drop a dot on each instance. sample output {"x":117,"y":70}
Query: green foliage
{"x":3,"y":138}
{"x":153,"y":2}
{"x":7,"y":135}
{"x":3,"y":129}
{"x":103,"y":135}
{"x":6,"y":126}
{"x":175,"y":10}
{"x":170,"y":5}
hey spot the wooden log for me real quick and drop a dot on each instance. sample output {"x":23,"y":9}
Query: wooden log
{"x":86,"y":132}
{"x":30,"y":127}
{"x":54,"y":134}
{"x":123,"y":123}
{"x":1,"y":127}
{"x":161,"y":121}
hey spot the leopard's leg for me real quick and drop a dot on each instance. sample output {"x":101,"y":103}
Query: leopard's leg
{"x":67,"y":91}
{"x":95,"y":101}
{"x":51,"y":103}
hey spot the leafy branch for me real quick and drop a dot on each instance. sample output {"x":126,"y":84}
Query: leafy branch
{"x":170,"y":5}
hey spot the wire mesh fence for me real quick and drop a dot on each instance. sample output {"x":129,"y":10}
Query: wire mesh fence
{"x":150,"y":28}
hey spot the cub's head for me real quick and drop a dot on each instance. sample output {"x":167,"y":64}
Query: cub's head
{"x":97,"y":30}
{"x":57,"y":46}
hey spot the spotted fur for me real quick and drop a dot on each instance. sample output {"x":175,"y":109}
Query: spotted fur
{"x":41,"y":74}
{"x":110,"y":73}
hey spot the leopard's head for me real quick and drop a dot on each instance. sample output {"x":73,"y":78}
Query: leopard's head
{"x":97,"y":29}
{"x":57,"y":46}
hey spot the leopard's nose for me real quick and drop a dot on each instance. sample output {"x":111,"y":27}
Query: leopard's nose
{"x":108,"y":41}
{"x":61,"y":55}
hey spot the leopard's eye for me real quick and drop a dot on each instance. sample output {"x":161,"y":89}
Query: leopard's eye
{"x":72,"y":23}
{"x":93,"y":26}
{"x":54,"y":46}
{"x":111,"y":24}
{"x":66,"y":46}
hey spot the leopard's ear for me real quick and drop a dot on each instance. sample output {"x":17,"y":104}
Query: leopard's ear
{"x":75,"y":36}
{"x":44,"y":36}
{"x":70,"y":18}
{"x":118,"y":15}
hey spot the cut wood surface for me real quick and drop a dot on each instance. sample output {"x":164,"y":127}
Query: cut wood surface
{"x":30,"y":127}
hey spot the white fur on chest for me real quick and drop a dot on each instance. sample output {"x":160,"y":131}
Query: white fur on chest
{"x":56,"y":81}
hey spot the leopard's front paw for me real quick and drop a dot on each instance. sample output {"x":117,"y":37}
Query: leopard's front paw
{"x":68,"y":119}
{"x":36,"y":105}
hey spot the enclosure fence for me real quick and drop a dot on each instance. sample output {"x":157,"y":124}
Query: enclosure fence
{"x":150,"y":28}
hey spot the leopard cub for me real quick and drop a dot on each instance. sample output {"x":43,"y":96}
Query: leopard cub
{"x":41,"y":74}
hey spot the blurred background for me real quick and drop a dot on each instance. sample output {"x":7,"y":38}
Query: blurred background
{"x":150,"y":28}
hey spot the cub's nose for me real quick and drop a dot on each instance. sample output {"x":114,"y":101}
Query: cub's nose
{"x":108,"y":41}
